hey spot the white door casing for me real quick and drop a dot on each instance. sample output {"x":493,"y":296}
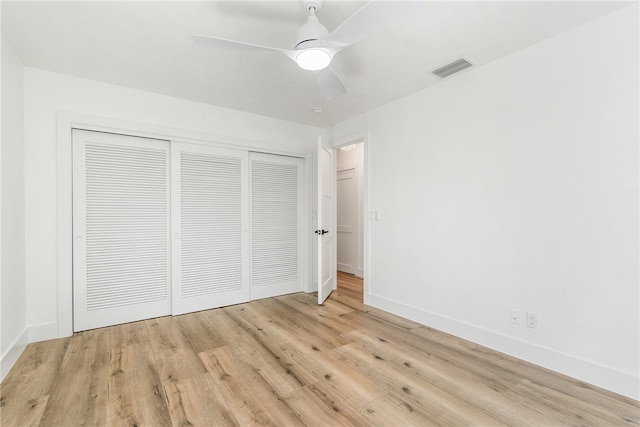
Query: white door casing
{"x":325,"y":233}
{"x":210,"y":223}
{"x":121,"y":244}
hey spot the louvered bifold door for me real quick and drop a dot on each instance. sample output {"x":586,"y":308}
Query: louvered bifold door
{"x":121,"y":221}
{"x":276,"y":225}
{"x":210,"y":225}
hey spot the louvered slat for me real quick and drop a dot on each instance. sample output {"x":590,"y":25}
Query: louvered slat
{"x":275,"y":225}
{"x":210,"y":188}
{"x":123,"y":169}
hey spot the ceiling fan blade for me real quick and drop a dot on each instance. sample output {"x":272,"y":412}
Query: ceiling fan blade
{"x":219,"y":43}
{"x":330,"y":83}
{"x":370,"y":19}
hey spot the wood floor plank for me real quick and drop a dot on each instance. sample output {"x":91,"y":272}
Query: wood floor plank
{"x":331,"y":307}
{"x":403,"y":353}
{"x":297,"y":352}
{"x":25,"y":391}
{"x":30,"y":414}
{"x":318,"y":337}
{"x":267,"y":350}
{"x":350,"y":286}
{"x":338,"y":298}
{"x":201,"y":333}
{"x":175,"y":354}
{"x":198,"y":401}
{"x":136,"y":395}
{"x":80,"y":393}
{"x":321,"y":314}
{"x":248,"y":394}
{"x":559,"y":407}
{"x":345,"y":390}
{"x":332,"y":374}
{"x":389,"y":411}
{"x":128,"y":334}
{"x":509,"y":370}
{"x":350,"y":383}
{"x":415,"y":393}
{"x":476,"y":390}
{"x":316,"y":410}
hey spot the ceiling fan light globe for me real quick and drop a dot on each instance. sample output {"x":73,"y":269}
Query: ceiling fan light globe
{"x":313,"y":59}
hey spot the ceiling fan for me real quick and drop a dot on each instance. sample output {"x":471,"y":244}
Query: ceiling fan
{"x":315,"y":47}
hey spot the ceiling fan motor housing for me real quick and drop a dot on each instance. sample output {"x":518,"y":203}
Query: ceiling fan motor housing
{"x":312,"y":29}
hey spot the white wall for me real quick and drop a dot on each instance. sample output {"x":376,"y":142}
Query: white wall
{"x":348,"y":159}
{"x":13,"y":302}
{"x":46,"y":94}
{"x":515,"y":186}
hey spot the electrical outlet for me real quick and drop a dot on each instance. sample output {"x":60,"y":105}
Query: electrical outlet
{"x":532,"y":320}
{"x":515,"y":316}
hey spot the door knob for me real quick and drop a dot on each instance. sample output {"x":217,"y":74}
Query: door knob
{"x":321,"y":232}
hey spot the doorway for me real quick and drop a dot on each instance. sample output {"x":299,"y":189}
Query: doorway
{"x":349,"y":219}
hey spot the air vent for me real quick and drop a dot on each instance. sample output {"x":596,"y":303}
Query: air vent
{"x":452,"y":68}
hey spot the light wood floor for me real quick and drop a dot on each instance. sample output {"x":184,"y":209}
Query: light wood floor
{"x":286,"y":361}
{"x":350,"y":286}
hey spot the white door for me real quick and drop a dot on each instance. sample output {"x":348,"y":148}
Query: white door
{"x":347,"y":211}
{"x":276,"y":225}
{"x":210,"y":218}
{"x":121,"y":245}
{"x":325,"y":234}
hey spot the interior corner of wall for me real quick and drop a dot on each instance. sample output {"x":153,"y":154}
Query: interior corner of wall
{"x":13,"y":352}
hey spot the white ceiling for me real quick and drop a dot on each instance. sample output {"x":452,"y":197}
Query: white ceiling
{"x":147,"y":45}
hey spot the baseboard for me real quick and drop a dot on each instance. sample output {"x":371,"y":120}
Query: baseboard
{"x":35,"y":333}
{"x":43,"y":331}
{"x":314,"y":287}
{"x":623,"y":383}
{"x":358,"y":272}
{"x":9,"y":358}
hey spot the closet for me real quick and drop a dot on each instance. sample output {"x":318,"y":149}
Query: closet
{"x":165,"y":227}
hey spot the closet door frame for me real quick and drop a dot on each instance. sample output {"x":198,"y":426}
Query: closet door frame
{"x":67,"y":121}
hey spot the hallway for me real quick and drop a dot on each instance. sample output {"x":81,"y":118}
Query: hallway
{"x":350,"y":286}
